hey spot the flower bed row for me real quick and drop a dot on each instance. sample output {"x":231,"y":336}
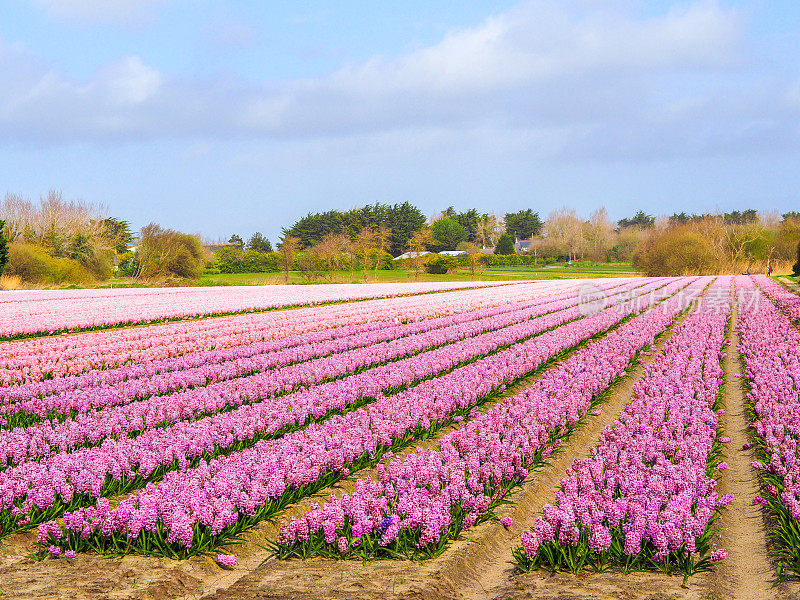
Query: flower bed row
{"x":193,"y":511}
{"x":49,"y":437}
{"x":770,"y":348}
{"x":356,"y":351}
{"x":416,"y":505}
{"x":35,"y":490}
{"x":43,"y":358}
{"x":55,"y":311}
{"x":380,"y":317}
{"x":787,"y":301}
{"x":646,"y":497}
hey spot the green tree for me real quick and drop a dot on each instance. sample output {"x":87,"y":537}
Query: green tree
{"x":3,"y":247}
{"x":236,"y":241}
{"x":792,"y":215}
{"x":523,"y":224}
{"x":447,"y":234}
{"x":259,"y":243}
{"x":505,"y":245}
{"x":404,"y":221}
{"x":641,"y":220}
{"x":745,"y":217}
{"x":796,"y":268}
{"x":119,"y":233}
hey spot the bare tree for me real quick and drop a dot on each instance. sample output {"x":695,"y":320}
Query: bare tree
{"x":473,"y":257}
{"x":382,"y":238}
{"x":599,"y":235}
{"x":564,"y":228}
{"x":365,"y":244}
{"x":418,"y":244}
{"x":289,"y":247}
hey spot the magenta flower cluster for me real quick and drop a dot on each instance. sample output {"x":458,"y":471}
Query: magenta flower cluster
{"x":647,"y":493}
{"x":69,"y":477}
{"x":434,"y":494}
{"x":208,"y":386}
{"x":194,"y":510}
{"x":770,"y":347}
{"x":46,"y":311}
{"x":66,"y":357}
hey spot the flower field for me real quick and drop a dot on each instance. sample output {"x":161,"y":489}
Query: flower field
{"x":392,"y":424}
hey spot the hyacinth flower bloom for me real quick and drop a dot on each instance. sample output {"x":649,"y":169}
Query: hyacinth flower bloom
{"x":195,"y":510}
{"x":357,"y":348}
{"x":42,"y":359}
{"x":646,"y":497}
{"x":432,"y":495}
{"x":46,"y":439}
{"x":47,"y":312}
{"x":769,"y":344}
{"x":45,"y":488}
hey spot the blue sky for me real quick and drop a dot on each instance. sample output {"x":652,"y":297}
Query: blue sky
{"x":221,"y":117}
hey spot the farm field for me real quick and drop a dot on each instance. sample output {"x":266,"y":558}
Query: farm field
{"x":623,"y":437}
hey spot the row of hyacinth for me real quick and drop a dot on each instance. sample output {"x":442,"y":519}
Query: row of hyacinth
{"x":416,"y":505}
{"x":192,"y":511}
{"x":379,"y":316}
{"x":787,"y":301}
{"x":49,"y":437}
{"x":646,"y":497}
{"x":38,"y":490}
{"x":352,"y":350}
{"x":770,"y":347}
{"x":40,"y":359}
{"x":53,"y":311}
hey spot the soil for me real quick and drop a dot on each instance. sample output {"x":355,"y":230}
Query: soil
{"x":475,"y":567}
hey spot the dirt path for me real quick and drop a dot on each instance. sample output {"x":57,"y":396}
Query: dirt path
{"x":749,"y":572}
{"x":790,"y":284}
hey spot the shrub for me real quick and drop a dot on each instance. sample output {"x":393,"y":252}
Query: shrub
{"x":442,"y":265}
{"x":796,"y":268}
{"x":33,"y":264}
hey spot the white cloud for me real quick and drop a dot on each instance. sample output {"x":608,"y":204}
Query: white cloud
{"x":574,"y":83}
{"x":100,"y":11}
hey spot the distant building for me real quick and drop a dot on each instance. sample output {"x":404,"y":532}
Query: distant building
{"x":411,"y":255}
{"x":522,"y":246}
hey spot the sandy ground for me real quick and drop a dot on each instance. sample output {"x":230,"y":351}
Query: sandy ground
{"x":475,"y":567}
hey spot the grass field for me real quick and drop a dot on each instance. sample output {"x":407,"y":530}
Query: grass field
{"x":559,"y":271}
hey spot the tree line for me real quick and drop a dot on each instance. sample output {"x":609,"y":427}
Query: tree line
{"x":59,"y":241}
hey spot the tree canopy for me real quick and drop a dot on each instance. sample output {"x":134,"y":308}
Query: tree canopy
{"x":505,"y":245}
{"x":523,"y":224}
{"x":402,"y":219}
{"x":447,"y":234}
{"x":641,"y":220}
{"x":259,"y":243}
{"x":3,"y":247}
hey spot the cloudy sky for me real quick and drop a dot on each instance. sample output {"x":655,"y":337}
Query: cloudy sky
{"x":231,"y":116}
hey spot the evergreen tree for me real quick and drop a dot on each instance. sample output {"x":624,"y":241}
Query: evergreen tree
{"x":641,"y":220}
{"x":3,"y":247}
{"x":523,"y":224}
{"x":447,"y":234}
{"x":236,"y":241}
{"x":259,"y":243}
{"x":505,"y":245}
{"x":796,"y":268}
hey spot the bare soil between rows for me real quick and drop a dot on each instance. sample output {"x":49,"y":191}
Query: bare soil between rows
{"x":474,"y":567}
